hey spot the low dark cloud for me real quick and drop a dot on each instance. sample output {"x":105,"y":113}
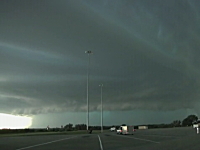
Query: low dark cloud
{"x":145,"y":52}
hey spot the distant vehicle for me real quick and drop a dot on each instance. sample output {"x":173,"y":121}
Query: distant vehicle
{"x":112,"y":129}
{"x":196,"y":124}
{"x":126,"y":130}
{"x":119,"y":131}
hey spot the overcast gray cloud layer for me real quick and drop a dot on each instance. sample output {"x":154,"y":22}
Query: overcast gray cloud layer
{"x":146,"y":53}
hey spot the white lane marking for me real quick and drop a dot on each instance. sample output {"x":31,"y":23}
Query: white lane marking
{"x":100,"y":143}
{"x":46,"y":143}
{"x":138,"y":139}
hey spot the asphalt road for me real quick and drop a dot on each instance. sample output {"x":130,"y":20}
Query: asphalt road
{"x":153,"y":139}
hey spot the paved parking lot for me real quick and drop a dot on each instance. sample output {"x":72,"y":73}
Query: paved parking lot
{"x":154,"y":139}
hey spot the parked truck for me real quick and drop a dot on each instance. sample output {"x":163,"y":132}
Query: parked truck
{"x":126,"y":130}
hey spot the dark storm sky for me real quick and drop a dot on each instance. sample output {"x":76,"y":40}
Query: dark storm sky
{"x":145,"y":52}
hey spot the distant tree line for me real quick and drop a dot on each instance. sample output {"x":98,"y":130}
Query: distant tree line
{"x":188,"y":121}
{"x":70,"y":127}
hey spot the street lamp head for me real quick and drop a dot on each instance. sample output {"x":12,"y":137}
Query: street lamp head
{"x":88,"y":52}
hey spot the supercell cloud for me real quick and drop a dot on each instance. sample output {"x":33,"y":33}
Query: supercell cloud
{"x":145,"y":52}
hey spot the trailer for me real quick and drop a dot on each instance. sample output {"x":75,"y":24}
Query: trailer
{"x":196,"y":124}
{"x":126,"y":130}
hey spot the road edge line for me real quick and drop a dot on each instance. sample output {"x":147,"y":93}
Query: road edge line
{"x":45,"y":143}
{"x":100,"y":142}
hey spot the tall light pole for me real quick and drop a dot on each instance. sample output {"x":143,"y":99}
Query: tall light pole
{"x":101,"y":85}
{"x":88,"y":69}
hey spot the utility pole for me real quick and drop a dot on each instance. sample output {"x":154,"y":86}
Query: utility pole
{"x":88,"y":72}
{"x":101,"y":85}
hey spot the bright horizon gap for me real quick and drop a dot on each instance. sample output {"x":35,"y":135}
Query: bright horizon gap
{"x":8,"y":121}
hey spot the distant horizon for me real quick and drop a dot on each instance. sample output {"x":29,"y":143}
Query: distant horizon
{"x":145,"y":56}
{"x":37,"y":122}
